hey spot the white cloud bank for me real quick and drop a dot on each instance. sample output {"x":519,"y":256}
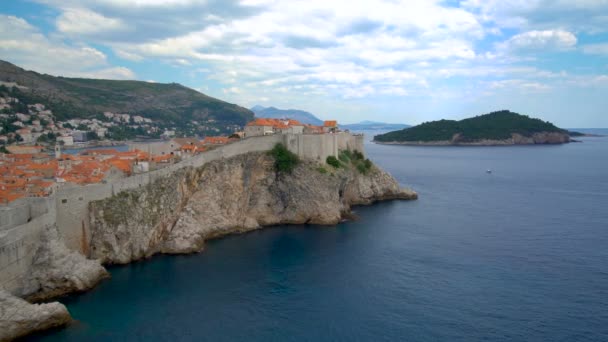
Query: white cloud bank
{"x":22,"y":43}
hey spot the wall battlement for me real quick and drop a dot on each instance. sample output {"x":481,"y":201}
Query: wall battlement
{"x":22,"y":221}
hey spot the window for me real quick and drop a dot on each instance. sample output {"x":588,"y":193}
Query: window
{"x":64,"y":200}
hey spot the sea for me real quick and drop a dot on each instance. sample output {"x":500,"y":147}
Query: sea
{"x":518,"y":254}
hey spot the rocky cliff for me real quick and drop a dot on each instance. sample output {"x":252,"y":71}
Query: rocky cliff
{"x":19,"y":318}
{"x":178,"y":213}
{"x":541,"y":138}
{"x":56,"y":270}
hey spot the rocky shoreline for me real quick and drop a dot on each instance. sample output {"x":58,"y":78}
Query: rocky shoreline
{"x":543,"y":138}
{"x":178,"y":213}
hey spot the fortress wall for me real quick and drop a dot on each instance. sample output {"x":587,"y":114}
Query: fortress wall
{"x":23,"y":210}
{"x":320,"y":146}
{"x":72,"y":203}
{"x":17,"y":248}
{"x":22,"y":221}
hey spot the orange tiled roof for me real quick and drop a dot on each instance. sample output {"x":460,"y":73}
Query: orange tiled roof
{"x":330,"y":123}
{"x":276,"y":123}
{"x":216,"y":140}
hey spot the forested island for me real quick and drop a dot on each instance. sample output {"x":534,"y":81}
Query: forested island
{"x":496,"y":128}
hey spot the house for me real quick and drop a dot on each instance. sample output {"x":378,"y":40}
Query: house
{"x":312,"y":129}
{"x":79,"y":136}
{"x":24,"y":149}
{"x":67,"y":140}
{"x":330,"y":126}
{"x":23,"y":117}
{"x":217,"y":140}
{"x":26,"y":135}
{"x":264,"y":126}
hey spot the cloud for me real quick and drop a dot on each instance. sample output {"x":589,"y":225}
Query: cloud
{"x":339,"y":52}
{"x":596,"y":49}
{"x":575,"y":16}
{"x":128,"y":21}
{"x":84,"y":21}
{"x":25,"y":45}
{"x":547,"y":40}
{"x":114,"y":73}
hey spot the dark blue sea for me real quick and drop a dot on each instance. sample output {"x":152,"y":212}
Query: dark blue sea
{"x":520,"y":254}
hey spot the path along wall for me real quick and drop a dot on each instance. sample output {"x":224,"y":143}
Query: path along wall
{"x":22,"y":222}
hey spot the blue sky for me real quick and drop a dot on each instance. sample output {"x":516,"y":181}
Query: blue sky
{"x":385,"y":60}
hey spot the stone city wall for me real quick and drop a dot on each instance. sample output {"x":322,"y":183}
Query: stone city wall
{"x":22,"y":221}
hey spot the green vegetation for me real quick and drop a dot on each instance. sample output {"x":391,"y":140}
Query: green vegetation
{"x":284,"y":160}
{"x":171,"y":105}
{"x":48,"y":138}
{"x":494,"y":126}
{"x":356,"y":159}
{"x":333,"y":161}
{"x":322,"y":169}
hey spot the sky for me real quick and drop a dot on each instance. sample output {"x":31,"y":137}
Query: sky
{"x":399,"y":61}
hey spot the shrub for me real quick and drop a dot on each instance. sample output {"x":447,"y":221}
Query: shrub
{"x":284,"y":160}
{"x":345,"y":156}
{"x":322,"y":170}
{"x":357,"y":155}
{"x":333,"y":161}
{"x":361,"y":168}
{"x":364,"y":166}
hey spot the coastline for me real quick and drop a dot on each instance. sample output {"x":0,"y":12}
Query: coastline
{"x":176,"y":214}
{"x":540,"y":138}
{"x":462,"y":144}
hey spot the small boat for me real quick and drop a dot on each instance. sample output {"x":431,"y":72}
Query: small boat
{"x":488,"y":171}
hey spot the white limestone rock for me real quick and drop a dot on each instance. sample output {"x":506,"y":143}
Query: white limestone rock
{"x":177,"y":214}
{"x":19,"y":318}
{"x":56,"y":270}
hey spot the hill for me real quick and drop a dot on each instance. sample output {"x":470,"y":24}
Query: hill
{"x":374,"y":126}
{"x":170,"y":104}
{"x":497,"y":128}
{"x":295,"y":114}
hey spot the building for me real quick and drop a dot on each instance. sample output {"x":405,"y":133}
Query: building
{"x":79,"y":136}
{"x":67,"y":140}
{"x":216,"y":140}
{"x":263,"y":126}
{"x":14,"y":149}
{"x":26,"y":135}
{"x":330,"y":126}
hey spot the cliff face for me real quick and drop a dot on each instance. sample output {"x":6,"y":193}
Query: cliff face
{"x":56,"y":270}
{"x":177,"y":214}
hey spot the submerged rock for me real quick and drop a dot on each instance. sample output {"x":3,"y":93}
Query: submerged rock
{"x":19,"y":318}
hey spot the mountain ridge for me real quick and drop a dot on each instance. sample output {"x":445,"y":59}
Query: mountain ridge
{"x":295,"y":114}
{"x":171,"y":103}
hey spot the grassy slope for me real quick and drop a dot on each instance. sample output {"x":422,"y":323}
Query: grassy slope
{"x":79,"y":97}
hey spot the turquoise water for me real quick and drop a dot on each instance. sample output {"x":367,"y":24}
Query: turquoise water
{"x":517,"y":255}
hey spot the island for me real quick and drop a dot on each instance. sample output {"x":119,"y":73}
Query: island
{"x":497,"y":128}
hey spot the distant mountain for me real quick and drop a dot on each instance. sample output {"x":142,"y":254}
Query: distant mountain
{"x":374,"y":126}
{"x":172,"y":104}
{"x":497,"y":128}
{"x":295,"y":114}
